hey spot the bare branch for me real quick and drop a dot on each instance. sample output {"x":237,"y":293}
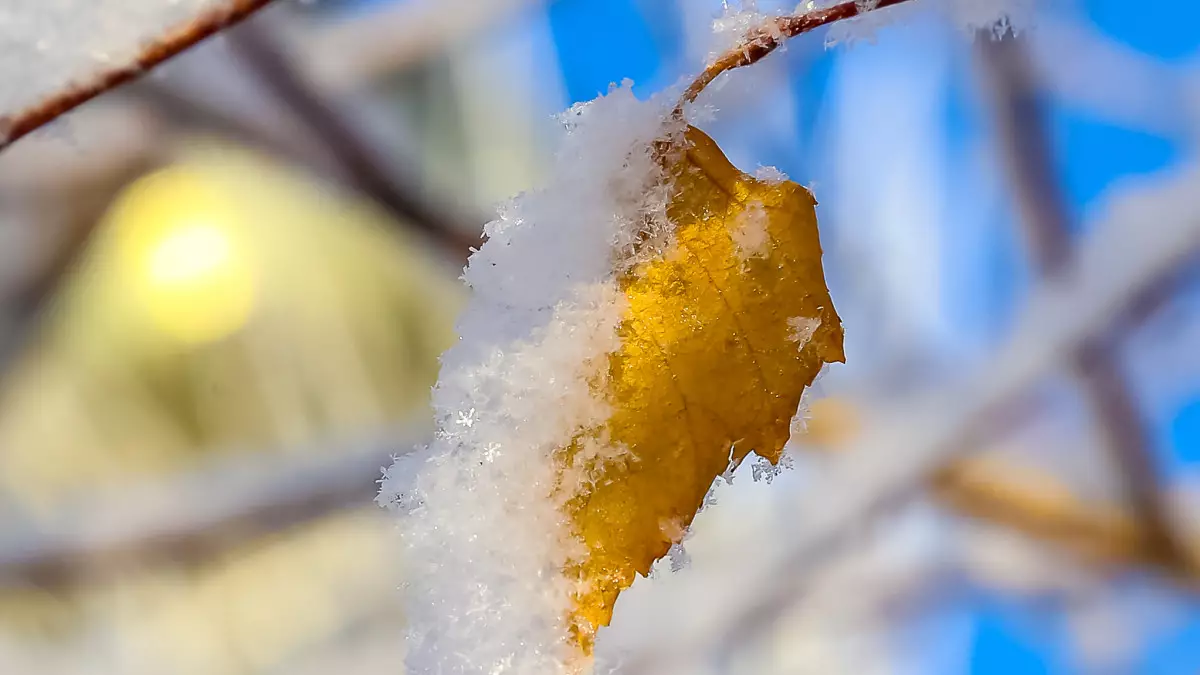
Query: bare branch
{"x":197,"y":514}
{"x":1046,"y":224}
{"x":64,"y":187}
{"x":17,"y":125}
{"x":335,"y":140}
{"x":353,"y":51}
{"x":1039,"y":506}
{"x":341,"y":138}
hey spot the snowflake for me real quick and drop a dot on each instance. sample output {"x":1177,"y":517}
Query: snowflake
{"x":802,"y":329}
{"x":466,"y":419}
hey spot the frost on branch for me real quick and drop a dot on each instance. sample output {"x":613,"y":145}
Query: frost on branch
{"x":971,"y":16}
{"x":743,"y":18}
{"x":49,"y":46}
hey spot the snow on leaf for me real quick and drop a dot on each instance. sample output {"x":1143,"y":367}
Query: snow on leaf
{"x":708,"y":370}
{"x":484,"y":533}
{"x":620,"y":351}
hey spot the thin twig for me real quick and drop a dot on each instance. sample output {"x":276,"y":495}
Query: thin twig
{"x":24,"y":311}
{"x":1027,"y":159}
{"x":300,"y":120}
{"x":346,"y":144}
{"x":768,"y":37}
{"x":1037,"y":505}
{"x":17,"y":125}
{"x":352,"y":52}
{"x":69,"y":214}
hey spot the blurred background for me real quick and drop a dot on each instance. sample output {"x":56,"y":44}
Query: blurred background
{"x":224,"y":287}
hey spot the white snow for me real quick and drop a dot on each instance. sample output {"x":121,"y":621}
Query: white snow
{"x":802,"y":329}
{"x":485,"y":540}
{"x":752,"y":236}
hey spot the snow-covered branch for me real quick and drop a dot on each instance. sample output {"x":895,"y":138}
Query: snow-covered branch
{"x":197,"y":514}
{"x":59,"y":60}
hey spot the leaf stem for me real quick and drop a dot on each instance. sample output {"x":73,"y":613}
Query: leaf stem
{"x":764,"y":39}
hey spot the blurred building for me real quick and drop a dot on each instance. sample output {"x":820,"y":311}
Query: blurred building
{"x":225,"y":307}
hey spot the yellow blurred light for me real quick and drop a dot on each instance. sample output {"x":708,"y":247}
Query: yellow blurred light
{"x":188,"y":256}
{"x":197,"y":289}
{"x":190,"y":275}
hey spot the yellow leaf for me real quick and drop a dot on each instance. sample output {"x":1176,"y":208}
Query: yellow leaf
{"x":723,"y":332}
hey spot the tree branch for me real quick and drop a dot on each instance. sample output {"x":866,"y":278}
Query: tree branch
{"x":353,"y":51}
{"x":765,"y":39}
{"x":338,"y":145}
{"x":1039,"y":506}
{"x":1046,"y":224}
{"x":195,"y":515}
{"x":15,"y":126}
{"x":341,"y":138}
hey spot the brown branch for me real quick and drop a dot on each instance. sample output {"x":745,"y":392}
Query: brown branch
{"x":68,"y":202}
{"x":1044,"y":218}
{"x":23,"y":310}
{"x":354,"y":51}
{"x":17,"y":125}
{"x":768,"y":37}
{"x":1032,"y":502}
{"x":1037,"y":505}
{"x":346,"y":144}
{"x":1029,"y":502}
{"x":336,"y":144}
